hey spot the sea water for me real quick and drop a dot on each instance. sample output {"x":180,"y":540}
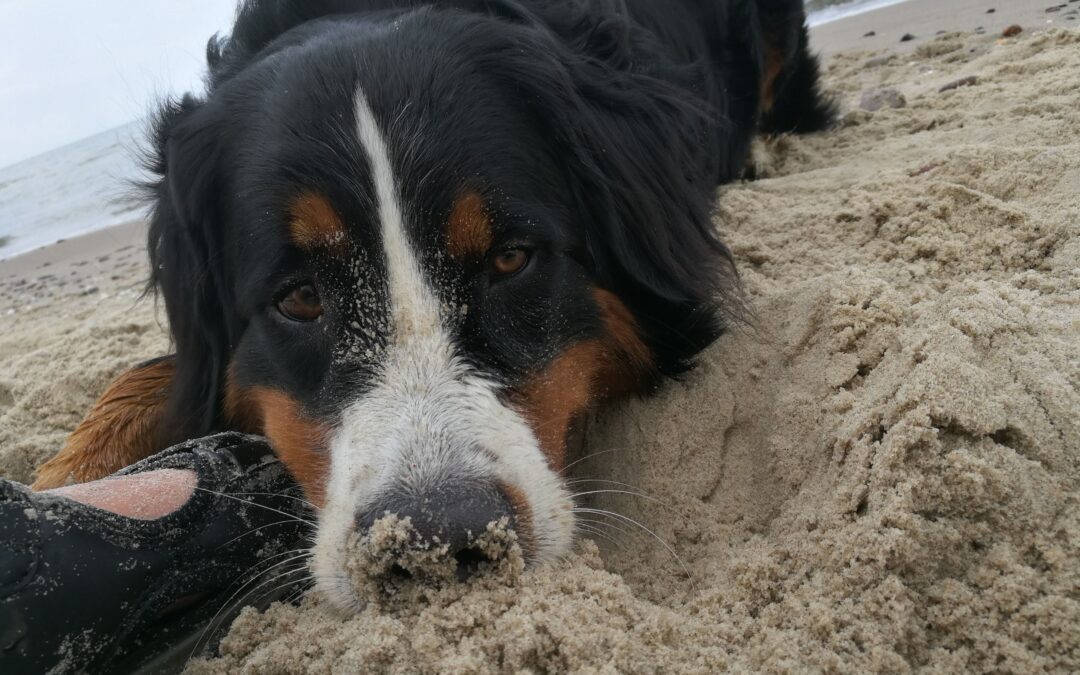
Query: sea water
{"x":85,"y":186}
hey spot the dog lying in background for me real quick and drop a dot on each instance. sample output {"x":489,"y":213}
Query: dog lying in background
{"x":412,"y":242}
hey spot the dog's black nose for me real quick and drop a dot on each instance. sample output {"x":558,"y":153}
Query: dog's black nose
{"x":453,"y":517}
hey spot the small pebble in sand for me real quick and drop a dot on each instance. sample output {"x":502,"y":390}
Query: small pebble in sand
{"x":1012,"y":31}
{"x":991,"y":10}
{"x":968,"y":81}
{"x":870,"y":34}
{"x":876,"y":99}
{"x":880,"y":61}
{"x":908,"y":37}
{"x":926,"y":168}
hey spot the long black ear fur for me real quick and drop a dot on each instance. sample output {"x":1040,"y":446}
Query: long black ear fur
{"x":184,"y":245}
{"x":800,"y":106}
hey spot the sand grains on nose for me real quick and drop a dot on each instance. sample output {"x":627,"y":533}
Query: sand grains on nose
{"x":391,"y":565}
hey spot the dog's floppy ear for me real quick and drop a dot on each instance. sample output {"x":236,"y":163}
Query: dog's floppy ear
{"x":644,"y":160}
{"x":187,"y":268}
{"x":122,"y":428}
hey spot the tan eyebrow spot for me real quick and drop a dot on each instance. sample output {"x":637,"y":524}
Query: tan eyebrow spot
{"x":468,"y":230}
{"x":315,"y":224}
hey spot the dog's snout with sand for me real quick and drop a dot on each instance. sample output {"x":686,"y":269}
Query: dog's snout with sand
{"x":452,"y":532}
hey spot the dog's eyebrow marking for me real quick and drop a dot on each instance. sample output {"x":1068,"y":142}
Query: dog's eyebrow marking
{"x":414,"y":309}
{"x":315,"y":224}
{"x":468,"y":230}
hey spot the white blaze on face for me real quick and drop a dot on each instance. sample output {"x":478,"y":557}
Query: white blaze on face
{"x":428,"y":417}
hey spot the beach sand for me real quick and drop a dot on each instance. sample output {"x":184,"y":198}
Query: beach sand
{"x":925,"y":20}
{"x":881,"y":474}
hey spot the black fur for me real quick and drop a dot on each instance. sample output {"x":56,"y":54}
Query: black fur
{"x":597,"y":129}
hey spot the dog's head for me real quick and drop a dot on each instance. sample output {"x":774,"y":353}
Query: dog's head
{"x":413,"y":248}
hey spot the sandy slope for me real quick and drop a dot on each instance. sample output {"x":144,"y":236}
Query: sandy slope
{"x":881,"y":474}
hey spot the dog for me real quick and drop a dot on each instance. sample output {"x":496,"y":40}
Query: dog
{"x":414,"y":242}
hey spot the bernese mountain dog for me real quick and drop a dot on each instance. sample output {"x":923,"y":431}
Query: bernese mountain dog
{"x":412,"y":241}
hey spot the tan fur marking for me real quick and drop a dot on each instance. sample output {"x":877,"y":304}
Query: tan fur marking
{"x":299,"y":441}
{"x":315,"y":224}
{"x":584,"y":375}
{"x":774,"y":65}
{"x":523,"y":518}
{"x":630,"y":359}
{"x":241,"y":411}
{"x":121,"y":428}
{"x":468,"y":230}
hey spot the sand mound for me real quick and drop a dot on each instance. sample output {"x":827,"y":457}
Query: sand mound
{"x":881,"y":475}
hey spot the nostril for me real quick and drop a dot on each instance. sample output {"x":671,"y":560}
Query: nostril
{"x":469,"y":562}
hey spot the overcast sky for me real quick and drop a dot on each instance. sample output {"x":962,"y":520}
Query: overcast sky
{"x":72,"y":68}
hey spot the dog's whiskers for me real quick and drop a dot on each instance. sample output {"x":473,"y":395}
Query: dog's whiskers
{"x":254,"y":530}
{"x":280,"y":494}
{"x":596,"y":532}
{"x":255,"y":574}
{"x":261,"y":506}
{"x":582,"y":459}
{"x":617,"y":527}
{"x":623,"y":492}
{"x":631,"y":521}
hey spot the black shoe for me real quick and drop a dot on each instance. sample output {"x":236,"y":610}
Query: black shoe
{"x":86,"y":590}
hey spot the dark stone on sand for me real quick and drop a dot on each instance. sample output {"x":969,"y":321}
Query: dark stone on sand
{"x":968,"y":81}
{"x":90,"y":290}
{"x":1055,"y":8}
{"x":876,"y":99}
{"x":908,"y":37}
{"x":979,"y":31}
{"x":1012,"y":31}
{"x":991,"y":10}
{"x":870,"y":34}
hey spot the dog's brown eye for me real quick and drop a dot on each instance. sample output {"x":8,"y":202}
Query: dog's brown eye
{"x":509,"y":262}
{"x":301,"y":304}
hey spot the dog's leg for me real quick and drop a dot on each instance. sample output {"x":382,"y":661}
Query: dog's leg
{"x":121,"y":429}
